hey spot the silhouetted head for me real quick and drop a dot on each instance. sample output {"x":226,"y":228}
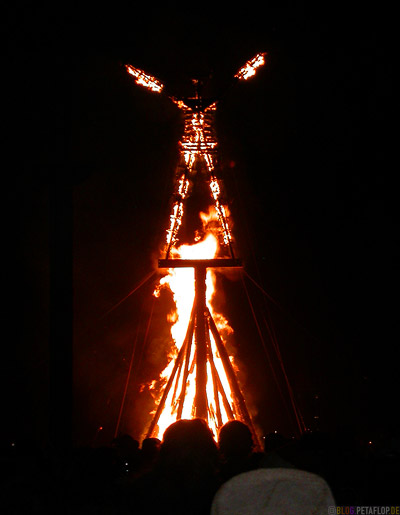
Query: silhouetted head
{"x":151,"y":449}
{"x":235,"y":440}
{"x":151,"y":445}
{"x":189,"y":445}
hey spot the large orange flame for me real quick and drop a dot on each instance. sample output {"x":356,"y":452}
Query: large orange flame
{"x":181,"y":282}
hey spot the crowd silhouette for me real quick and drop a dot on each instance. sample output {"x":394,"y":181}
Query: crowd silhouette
{"x":193,"y":472}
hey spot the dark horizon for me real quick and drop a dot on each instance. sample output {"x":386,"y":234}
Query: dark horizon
{"x":306,"y":154}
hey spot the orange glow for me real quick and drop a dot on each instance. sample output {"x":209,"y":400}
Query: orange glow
{"x":181,"y":282}
{"x":198,"y":142}
{"x":249,"y":69}
{"x":200,"y":378}
{"x":143,"y":79}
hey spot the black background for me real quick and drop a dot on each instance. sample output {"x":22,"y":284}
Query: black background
{"x":308,"y":162}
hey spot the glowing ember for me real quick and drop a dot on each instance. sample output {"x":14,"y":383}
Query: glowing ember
{"x":198,"y":142}
{"x":249,"y":69}
{"x":145,"y":80}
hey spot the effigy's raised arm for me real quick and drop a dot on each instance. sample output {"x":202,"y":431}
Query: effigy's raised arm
{"x":144,"y":79}
{"x":249,"y":69}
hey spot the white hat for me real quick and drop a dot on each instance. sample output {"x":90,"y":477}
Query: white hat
{"x":275,"y":491}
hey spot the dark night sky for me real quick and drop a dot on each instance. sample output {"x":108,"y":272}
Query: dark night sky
{"x":307,"y":152}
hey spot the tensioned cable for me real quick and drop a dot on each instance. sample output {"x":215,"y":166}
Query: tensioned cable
{"x":262,"y":290}
{"x":131,"y":363}
{"x":270,"y":329}
{"x":146,"y":334}
{"x":265,"y":346}
{"x":299,"y":418}
{"x":274,"y":341}
{"x":130,"y":293}
{"x":126,"y":382}
{"x":281,"y":307}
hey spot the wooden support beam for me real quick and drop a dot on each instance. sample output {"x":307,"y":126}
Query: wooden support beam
{"x":194,"y":263}
{"x":171,"y":378}
{"x":214,"y":375}
{"x":232,"y":378}
{"x":201,"y":322}
{"x":186,"y":368}
{"x":165,"y":393}
{"x":201,"y":345}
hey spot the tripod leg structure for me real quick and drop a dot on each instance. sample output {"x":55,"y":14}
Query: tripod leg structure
{"x":177,"y":365}
{"x":215,"y":403}
{"x":233,"y":382}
